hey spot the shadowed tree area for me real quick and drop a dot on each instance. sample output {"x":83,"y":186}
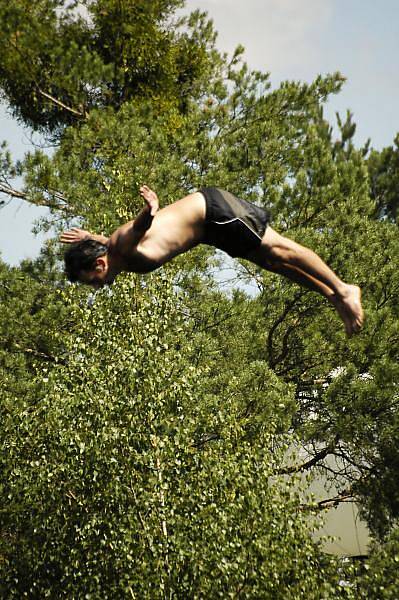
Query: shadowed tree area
{"x":156,"y":436}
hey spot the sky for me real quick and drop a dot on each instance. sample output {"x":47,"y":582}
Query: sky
{"x":290,"y":39}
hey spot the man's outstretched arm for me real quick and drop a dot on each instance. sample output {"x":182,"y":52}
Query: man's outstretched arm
{"x":74,"y":235}
{"x":127,"y":235}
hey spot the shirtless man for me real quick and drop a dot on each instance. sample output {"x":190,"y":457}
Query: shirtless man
{"x":210,"y":216}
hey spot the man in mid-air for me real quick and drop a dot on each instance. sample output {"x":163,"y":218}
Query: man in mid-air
{"x":210,"y":216}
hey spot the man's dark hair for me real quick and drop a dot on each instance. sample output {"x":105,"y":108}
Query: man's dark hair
{"x":82,"y":257}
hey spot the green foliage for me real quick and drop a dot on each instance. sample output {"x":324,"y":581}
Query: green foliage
{"x":29,"y":322}
{"x":384,"y":180}
{"x":116,"y":487}
{"x":144,"y":433}
{"x":60,"y":59}
{"x":379,"y":578}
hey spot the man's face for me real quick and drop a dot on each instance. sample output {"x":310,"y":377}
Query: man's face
{"x":99,"y":276}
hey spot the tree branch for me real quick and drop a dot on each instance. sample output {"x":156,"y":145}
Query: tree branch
{"x":310,"y":463}
{"x":34,"y":352}
{"x":9,"y":191}
{"x":345,"y":496}
{"x":273,"y":328}
{"x":39,"y":89}
{"x":6,"y":189}
{"x":61,"y":104}
{"x":320,"y":455}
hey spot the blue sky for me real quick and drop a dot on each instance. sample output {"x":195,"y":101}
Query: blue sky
{"x":291,"y":39}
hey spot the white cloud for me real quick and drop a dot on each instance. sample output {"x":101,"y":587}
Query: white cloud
{"x":279,"y":35}
{"x":299,"y":39}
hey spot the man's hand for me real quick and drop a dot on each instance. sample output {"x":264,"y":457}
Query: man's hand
{"x":150,"y":198}
{"x":74,"y":235}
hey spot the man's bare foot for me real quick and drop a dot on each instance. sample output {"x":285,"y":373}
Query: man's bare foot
{"x":349,"y":308}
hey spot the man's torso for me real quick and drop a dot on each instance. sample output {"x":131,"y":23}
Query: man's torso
{"x":212,"y":216}
{"x":174,"y":229}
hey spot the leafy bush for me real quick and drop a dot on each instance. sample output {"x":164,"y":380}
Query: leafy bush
{"x":128,"y":480}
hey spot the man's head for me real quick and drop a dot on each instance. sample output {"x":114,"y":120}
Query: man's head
{"x":87,"y":262}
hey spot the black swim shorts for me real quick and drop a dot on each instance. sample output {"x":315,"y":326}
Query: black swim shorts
{"x":232,"y":224}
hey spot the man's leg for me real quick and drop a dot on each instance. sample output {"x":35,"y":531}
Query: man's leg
{"x":281,"y":255}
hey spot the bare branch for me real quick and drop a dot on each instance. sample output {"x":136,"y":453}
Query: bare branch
{"x":278,"y":321}
{"x":30,"y":71}
{"x":60,"y":205}
{"x":5,"y":189}
{"x":333,"y":502}
{"x":344,"y":496}
{"x":34,"y":352}
{"x":61,"y":104}
{"x":308,"y":464}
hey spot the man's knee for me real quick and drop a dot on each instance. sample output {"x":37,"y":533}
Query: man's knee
{"x":278,"y":247}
